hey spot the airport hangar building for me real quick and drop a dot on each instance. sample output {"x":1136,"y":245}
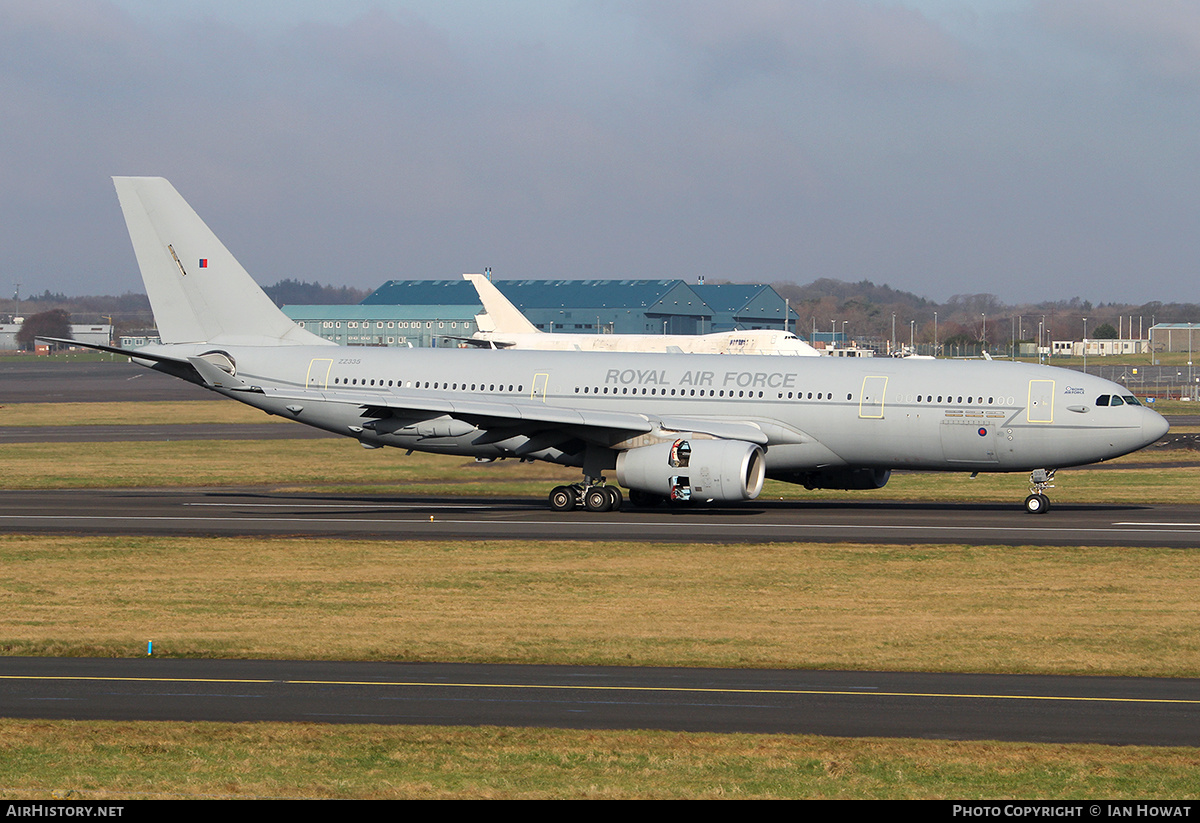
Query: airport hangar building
{"x":438,"y":312}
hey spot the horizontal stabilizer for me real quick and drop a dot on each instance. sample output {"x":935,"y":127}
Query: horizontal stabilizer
{"x":135,"y":353}
{"x":174,"y":366}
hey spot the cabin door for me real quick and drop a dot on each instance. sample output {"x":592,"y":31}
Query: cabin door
{"x":1041,"y":402}
{"x":318,"y":374}
{"x":870,"y":402}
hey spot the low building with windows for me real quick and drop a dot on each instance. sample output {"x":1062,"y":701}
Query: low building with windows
{"x":83,"y":332}
{"x":1094,"y":347}
{"x":383,"y":325}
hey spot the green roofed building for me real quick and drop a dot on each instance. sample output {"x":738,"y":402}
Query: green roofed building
{"x":745,"y":306}
{"x":436,"y":312}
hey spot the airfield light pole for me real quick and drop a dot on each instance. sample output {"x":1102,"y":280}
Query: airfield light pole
{"x":912,"y":336}
{"x":935,"y":343}
{"x":893,"y":332}
{"x":1085,"y":345}
{"x":1192,"y":385}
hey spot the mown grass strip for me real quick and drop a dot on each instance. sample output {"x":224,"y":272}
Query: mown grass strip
{"x":133,"y":414}
{"x":342,"y":464}
{"x":932,"y":608}
{"x":108,"y":760}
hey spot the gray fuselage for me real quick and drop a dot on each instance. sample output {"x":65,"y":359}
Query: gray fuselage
{"x":813,"y":413}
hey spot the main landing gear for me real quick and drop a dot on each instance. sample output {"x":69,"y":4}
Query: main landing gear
{"x":1039,"y":480}
{"x":593,"y":496}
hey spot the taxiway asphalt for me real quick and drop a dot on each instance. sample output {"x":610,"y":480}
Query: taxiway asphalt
{"x":258,"y":512}
{"x":1112,"y":710}
{"x":90,"y":381}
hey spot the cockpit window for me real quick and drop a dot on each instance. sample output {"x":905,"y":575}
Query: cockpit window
{"x":1117,"y":400}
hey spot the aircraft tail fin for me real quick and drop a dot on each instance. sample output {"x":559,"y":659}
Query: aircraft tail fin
{"x":499,"y":315}
{"x":197,"y":289}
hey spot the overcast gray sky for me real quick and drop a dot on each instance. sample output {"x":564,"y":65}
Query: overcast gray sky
{"x":1033,"y":150}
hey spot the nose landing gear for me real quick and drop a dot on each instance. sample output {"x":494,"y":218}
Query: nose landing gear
{"x":1039,"y":480}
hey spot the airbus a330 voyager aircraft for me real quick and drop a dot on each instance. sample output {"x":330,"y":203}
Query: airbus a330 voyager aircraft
{"x":678,"y":427}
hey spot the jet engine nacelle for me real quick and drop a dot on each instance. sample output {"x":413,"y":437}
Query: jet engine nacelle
{"x":724,"y":470}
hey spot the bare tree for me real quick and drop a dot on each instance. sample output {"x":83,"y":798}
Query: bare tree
{"x":53,"y":323}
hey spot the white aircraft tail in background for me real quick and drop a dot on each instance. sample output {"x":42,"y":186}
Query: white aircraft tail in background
{"x":502,"y":326}
{"x":499,"y":315}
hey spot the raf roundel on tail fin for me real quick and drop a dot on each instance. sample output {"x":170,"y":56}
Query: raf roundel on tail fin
{"x":198,"y":290}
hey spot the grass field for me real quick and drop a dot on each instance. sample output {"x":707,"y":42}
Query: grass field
{"x":66,"y":760}
{"x":959,"y":608}
{"x":132,"y":414}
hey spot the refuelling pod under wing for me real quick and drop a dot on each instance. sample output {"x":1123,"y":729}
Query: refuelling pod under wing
{"x":721,"y":470}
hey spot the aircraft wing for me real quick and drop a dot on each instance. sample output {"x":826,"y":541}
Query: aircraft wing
{"x":511,"y":411}
{"x":522,"y":414}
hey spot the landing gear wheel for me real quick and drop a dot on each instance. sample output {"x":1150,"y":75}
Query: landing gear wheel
{"x":615,"y":494}
{"x":597,"y":499}
{"x":1039,"y":481}
{"x":562,"y":499}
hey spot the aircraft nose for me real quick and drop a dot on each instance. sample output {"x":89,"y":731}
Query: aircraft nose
{"x":1154,"y":426}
